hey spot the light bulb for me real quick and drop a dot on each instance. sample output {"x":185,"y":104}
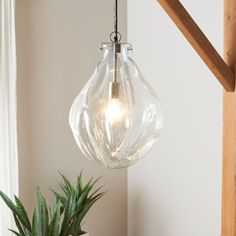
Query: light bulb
{"x":117,"y":117}
{"x":114,"y":111}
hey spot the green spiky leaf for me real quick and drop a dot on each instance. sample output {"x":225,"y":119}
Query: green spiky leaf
{"x":22,"y":210}
{"x":69,"y":211}
{"x":17,"y":211}
{"x":14,"y":232}
{"x":40,"y":223}
{"x":18,"y":225}
{"x":55,"y":223}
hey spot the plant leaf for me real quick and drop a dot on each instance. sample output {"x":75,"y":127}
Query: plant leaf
{"x":67,"y":185}
{"x":21,"y":209}
{"x":79,"y":185}
{"x":69,"y":211}
{"x":64,"y":190}
{"x":13,"y":231}
{"x":15,"y":210}
{"x":61,"y":198}
{"x":27,"y":232}
{"x":55,"y":223}
{"x":41,"y":215}
{"x":36,"y":230}
{"x":96,"y":191}
{"x":86,"y":208}
{"x":22,"y":233}
{"x":90,"y":185}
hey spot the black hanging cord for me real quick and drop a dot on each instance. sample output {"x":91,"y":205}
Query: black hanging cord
{"x":115,"y":36}
{"x":116,"y":21}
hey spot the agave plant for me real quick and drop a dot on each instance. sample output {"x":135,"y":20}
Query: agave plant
{"x":66,"y":215}
{"x":43,"y":223}
{"x":76,"y":202}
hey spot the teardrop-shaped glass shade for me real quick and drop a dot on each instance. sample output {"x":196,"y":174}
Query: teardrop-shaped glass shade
{"x":117,"y":117}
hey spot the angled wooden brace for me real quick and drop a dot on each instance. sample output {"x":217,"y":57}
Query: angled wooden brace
{"x":200,"y":43}
{"x":224,"y":71}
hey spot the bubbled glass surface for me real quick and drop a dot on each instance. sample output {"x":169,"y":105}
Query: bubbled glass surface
{"x":116,"y":131}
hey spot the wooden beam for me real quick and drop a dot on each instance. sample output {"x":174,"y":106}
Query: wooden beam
{"x":229,"y":139}
{"x":199,"y":42}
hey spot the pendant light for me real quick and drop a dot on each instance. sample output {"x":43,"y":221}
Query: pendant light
{"x":117,"y":117}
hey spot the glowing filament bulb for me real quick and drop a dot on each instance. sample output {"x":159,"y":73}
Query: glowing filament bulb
{"x":114,"y":111}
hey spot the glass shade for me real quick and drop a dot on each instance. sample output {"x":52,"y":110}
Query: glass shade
{"x":117,"y":117}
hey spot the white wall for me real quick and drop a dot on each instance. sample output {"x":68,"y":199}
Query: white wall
{"x":176,"y":189}
{"x":58,"y":48}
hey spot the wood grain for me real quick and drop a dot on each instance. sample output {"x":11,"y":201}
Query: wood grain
{"x":229,"y":139}
{"x":199,"y":42}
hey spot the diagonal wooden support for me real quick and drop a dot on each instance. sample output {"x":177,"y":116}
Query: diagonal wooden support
{"x":225,"y":73}
{"x":200,"y":43}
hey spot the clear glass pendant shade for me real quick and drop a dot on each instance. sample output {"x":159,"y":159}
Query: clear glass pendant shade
{"x":117,"y":117}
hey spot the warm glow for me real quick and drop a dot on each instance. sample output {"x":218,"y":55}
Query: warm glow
{"x":114,"y":111}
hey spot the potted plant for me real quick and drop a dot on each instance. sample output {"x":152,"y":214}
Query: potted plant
{"x":65,"y":217}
